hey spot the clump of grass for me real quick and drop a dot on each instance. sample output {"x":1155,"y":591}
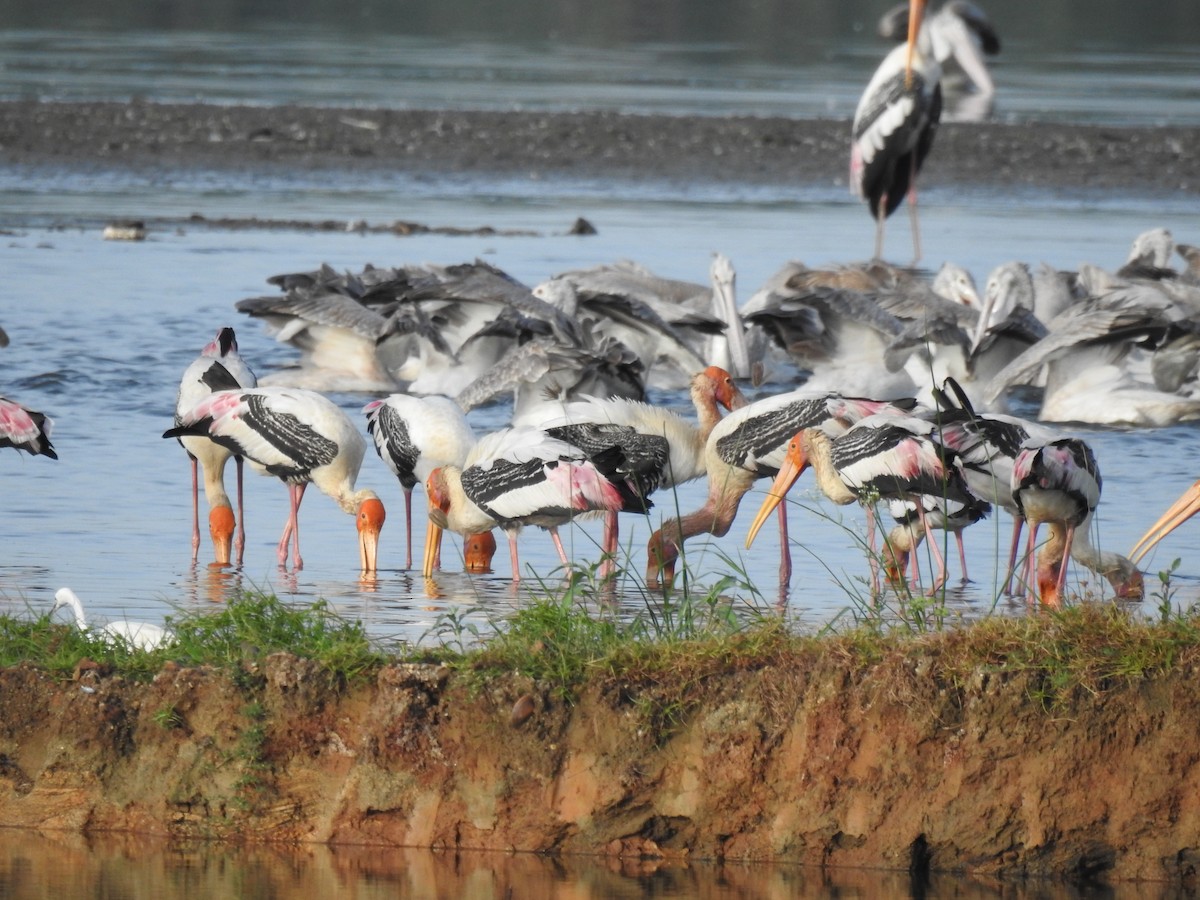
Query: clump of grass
{"x":249,"y":627}
{"x":252,"y":626}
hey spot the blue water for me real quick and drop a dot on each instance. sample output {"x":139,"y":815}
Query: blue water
{"x":101,"y":331}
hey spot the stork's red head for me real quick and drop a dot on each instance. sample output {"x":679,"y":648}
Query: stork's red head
{"x":725,"y":390}
{"x":369,"y":520}
{"x":795,"y":461}
{"x":220,"y":527}
{"x":478,"y":550}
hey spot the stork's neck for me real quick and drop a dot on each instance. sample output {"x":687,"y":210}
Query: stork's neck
{"x":820,"y":457}
{"x":464,"y":516}
{"x":1120,"y":571}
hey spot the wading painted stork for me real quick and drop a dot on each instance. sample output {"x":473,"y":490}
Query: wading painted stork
{"x":1059,"y":484}
{"x":512,"y":478}
{"x":217,"y":368}
{"x":894,"y":126}
{"x":415,"y":435}
{"x":746,"y":445}
{"x":886,"y":457}
{"x":655,"y":447}
{"x":25,"y":429}
{"x":300,"y":437}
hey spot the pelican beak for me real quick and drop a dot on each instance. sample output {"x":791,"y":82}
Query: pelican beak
{"x":1181,"y":510}
{"x":220,"y":527}
{"x":478,"y":550}
{"x":433,"y":548}
{"x":793,"y":465}
{"x":370,"y":522}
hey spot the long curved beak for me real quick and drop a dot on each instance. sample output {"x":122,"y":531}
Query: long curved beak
{"x":1180,"y":511}
{"x":788,"y":473}
{"x":368,"y":549}
{"x":433,"y":547}
{"x":916,"y":12}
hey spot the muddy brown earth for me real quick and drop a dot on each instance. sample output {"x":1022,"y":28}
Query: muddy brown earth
{"x":813,"y":757}
{"x":592,"y":144}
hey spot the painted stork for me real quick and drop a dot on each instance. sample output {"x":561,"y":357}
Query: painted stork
{"x":657,"y":447}
{"x":746,"y":445}
{"x":25,"y":429}
{"x":1058,"y":483}
{"x":884,"y":456}
{"x":415,"y":435}
{"x":300,"y":437}
{"x":217,"y":368}
{"x":894,"y":127}
{"x":512,"y":478}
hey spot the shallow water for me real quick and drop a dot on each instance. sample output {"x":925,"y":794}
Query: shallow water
{"x":101,"y":331}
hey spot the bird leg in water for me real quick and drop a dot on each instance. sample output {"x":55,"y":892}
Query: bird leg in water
{"x":785,"y":550}
{"x":1012,"y":556}
{"x":912,"y":211}
{"x":240,"y":541}
{"x":608,"y":547}
{"x":195,"y":509}
{"x":292,"y":528}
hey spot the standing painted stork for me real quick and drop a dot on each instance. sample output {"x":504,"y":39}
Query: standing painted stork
{"x":1059,"y":483}
{"x":415,"y":435}
{"x":512,"y":478}
{"x":894,"y":126}
{"x":656,"y":447}
{"x":300,"y":437}
{"x":988,"y":446}
{"x":217,"y":368}
{"x":884,"y":456}
{"x":746,"y":445}
{"x":25,"y":429}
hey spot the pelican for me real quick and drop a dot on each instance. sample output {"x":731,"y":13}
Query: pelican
{"x":138,"y":635}
{"x":300,"y":437}
{"x":894,"y":127}
{"x":217,"y":368}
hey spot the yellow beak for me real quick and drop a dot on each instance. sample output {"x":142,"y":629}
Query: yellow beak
{"x":788,"y":473}
{"x":433,"y":547}
{"x":1180,"y":511}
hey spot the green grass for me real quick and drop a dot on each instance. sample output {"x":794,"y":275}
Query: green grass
{"x":663,"y":655}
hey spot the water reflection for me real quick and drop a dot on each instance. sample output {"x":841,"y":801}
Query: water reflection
{"x":130,"y":867}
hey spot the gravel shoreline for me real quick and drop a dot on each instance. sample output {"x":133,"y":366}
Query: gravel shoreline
{"x":788,"y":152}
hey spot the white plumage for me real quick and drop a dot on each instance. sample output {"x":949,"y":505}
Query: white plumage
{"x":218,"y":367}
{"x":299,"y":437}
{"x":139,"y":635}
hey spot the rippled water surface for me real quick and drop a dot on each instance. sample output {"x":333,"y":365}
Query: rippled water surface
{"x":101,"y":331}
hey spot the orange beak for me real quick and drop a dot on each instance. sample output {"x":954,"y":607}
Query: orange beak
{"x":916,"y":12}
{"x":1180,"y":511}
{"x":794,"y":463}
{"x":220,"y":527}
{"x":370,"y":518}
